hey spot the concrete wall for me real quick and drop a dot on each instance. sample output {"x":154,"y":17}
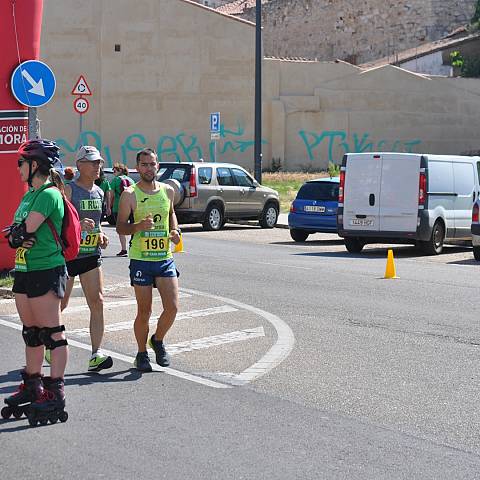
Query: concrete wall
{"x":338,"y":108}
{"x":357,"y":31}
{"x":179,"y":61}
{"x":431,"y":64}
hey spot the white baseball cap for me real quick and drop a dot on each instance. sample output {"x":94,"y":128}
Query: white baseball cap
{"x":89,"y":153}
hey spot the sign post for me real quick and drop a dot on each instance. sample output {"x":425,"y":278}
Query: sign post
{"x":215,"y":132}
{"x":81,"y":104}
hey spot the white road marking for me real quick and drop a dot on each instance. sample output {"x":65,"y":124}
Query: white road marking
{"x":214,"y":340}
{"x":284,"y":265}
{"x":277,"y":353}
{"x":128,"y":325}
{"x":130,"y":360}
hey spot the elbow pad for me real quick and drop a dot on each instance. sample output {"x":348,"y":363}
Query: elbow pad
{"x":18,"y":234}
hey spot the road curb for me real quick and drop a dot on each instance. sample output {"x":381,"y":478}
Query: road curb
{"x":6,"y":292}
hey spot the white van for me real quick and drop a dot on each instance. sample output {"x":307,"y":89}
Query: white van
{"x":420,"y":199}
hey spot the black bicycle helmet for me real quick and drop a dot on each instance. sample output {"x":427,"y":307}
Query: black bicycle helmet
{"x":45,"y":152}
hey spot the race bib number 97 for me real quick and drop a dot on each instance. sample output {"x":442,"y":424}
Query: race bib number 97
{"x":89,"y":242}
{"x":154,"y":244}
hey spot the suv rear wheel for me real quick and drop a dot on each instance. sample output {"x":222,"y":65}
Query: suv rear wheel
{"x":269,"y":216}
{"x":214,"y":218}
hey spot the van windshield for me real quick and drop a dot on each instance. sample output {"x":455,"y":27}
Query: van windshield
{"x":318,"y":191}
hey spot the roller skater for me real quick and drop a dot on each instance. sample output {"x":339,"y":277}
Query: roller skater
{"x":39,"y":285}
{"x":28,"y":392}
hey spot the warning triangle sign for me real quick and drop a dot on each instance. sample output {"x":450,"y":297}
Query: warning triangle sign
{"x":81,"y":87}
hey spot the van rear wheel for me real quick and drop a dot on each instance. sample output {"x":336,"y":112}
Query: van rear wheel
{"x":476,"y":253}
{"x":353,"y":244}
{"x":434,"y":246}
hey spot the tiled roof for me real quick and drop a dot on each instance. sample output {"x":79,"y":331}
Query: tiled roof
{"x":237,"y":7}
{"x":422,"y":50}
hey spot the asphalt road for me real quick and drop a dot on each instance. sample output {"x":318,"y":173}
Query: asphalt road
{"x":288,"y":361}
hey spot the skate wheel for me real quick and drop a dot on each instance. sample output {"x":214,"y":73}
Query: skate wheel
{"x":17,"y":413}
{"x":53,"y":418}
{"x":32,"y":420}
{"x":6,"y":412}
{"x":63,"y":416}
{"x":43,"y":420}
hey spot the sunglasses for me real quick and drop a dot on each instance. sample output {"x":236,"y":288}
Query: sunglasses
{"x":93,"y":162}
{"x":20,"y":162}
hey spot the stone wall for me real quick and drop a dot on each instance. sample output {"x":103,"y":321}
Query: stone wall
{"x":358,"y":31}
{"x":158,"y":69}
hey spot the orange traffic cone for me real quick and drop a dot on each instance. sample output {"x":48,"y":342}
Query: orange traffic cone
{"x":390,"y":270}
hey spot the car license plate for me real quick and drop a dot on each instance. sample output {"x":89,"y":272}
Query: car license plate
{"x":362,"y":222}
{"x":314,"y":208}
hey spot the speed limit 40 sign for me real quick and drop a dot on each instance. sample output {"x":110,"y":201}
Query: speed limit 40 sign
{"x":81,"y":105}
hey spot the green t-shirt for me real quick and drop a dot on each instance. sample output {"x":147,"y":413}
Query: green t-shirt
{"x":116,"y":184}
{"x":105,"y":185}
{"x":46,"y":253}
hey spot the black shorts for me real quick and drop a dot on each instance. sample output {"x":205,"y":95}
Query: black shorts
{"x":39,"y":282}
{"x":83,"y":265}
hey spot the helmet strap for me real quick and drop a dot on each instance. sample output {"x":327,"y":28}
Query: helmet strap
{"x":31,"y":174}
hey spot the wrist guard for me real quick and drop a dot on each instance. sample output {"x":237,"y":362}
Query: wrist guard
{"x":18,"y":234}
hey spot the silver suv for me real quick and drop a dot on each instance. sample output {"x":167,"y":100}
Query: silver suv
{"x":213,"y":193}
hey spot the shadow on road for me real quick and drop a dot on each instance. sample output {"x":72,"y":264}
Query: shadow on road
{"x":90,"y":378}
{"x":310,"y":243}
{"x":398,"y":252}
{"x":81,"y":379}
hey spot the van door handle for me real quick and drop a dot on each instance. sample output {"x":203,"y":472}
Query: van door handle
{"x":371,"y":199}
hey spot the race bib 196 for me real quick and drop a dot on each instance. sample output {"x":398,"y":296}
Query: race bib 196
{"x":154,"y":243}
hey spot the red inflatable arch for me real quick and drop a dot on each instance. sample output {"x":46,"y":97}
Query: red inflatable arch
{"x":20,"y":28}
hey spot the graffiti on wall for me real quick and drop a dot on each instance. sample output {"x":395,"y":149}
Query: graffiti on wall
{"x":356,"y":143}
{"x":234,"y":145}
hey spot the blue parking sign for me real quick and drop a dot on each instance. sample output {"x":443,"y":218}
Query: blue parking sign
{"x":33,"y":83}
{"x":215,"y":122}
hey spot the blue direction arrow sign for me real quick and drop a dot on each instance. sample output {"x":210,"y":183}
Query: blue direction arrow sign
{"x":33,"y":83}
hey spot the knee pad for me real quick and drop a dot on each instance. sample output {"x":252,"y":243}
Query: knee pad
{"x":45,"y":336}
{"x":31,"y":336}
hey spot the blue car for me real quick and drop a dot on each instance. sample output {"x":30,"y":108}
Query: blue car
{"x":314,"y":209}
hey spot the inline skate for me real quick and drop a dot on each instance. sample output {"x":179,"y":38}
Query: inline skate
{"x":28,"y":392}
{"x":50,"y":406}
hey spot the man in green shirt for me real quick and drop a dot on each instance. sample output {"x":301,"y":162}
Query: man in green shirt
{"x":120,"y":181}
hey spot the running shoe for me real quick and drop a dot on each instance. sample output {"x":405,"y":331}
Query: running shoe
{"x":142,"y":362}
{"x":48,"y":356}
{"x":122,"y":253}
{"x":98,"y":362}
{"x":161,"y":355}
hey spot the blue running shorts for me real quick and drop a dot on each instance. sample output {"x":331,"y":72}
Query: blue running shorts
{"x":143,"y":273}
